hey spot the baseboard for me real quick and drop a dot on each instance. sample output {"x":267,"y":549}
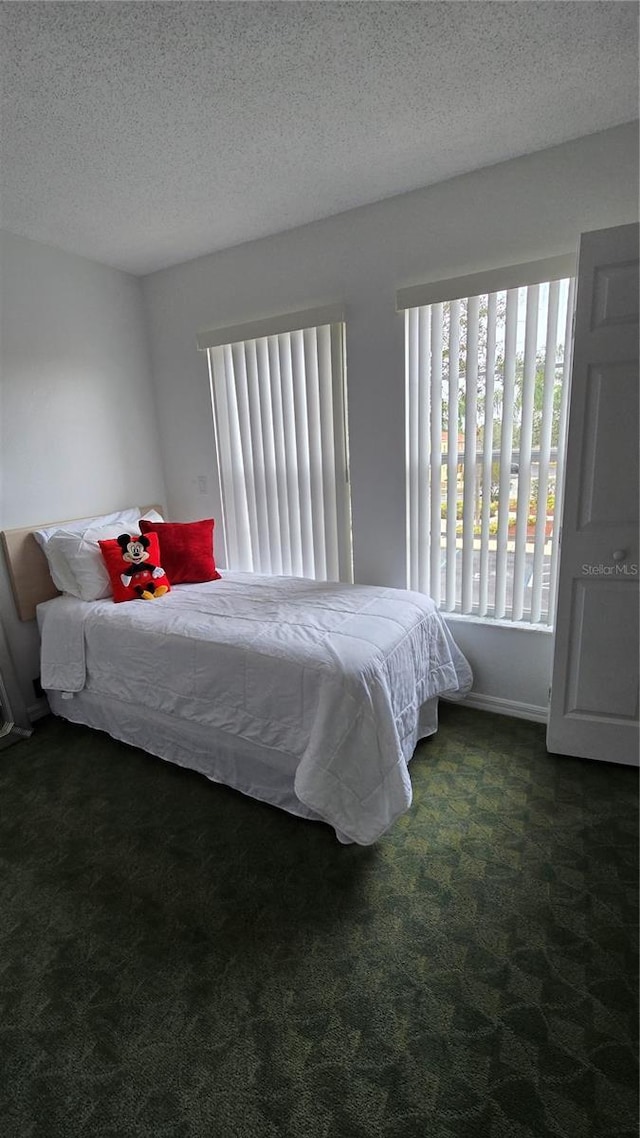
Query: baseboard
{"x":38,"y":709}
{"x":512,"y":707}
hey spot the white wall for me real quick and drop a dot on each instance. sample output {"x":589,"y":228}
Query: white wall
{"x":520,"y":210}
{"x":78,"y":427}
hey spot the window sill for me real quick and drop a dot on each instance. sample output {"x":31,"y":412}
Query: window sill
{"x":494,"y":622}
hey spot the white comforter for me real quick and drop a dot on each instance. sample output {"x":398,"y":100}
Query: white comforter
{"x":332,"y":674}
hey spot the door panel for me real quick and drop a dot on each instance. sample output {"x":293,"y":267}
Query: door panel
{"x":608,"y":493}
{"x":603,"y":617}
{"x":615,"y":295}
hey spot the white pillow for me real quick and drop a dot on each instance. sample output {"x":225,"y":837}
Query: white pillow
{"x":73,"y":554}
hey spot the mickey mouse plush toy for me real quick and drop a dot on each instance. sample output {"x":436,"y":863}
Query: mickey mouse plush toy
{"x":134,"y":550}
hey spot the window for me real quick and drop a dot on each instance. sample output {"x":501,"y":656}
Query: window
{"x":279,"y":406}
{"x":487,"y":366}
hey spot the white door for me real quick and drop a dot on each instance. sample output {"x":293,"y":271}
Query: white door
{"x":14,"y":720}
{"x":594,"y":693}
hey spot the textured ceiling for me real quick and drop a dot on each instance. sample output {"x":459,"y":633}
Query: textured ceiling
{"x":144,"y":134}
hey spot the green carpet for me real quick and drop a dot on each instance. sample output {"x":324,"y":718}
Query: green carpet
{"x":177,"y":960}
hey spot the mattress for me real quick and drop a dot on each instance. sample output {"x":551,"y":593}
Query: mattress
{"x":325,"y":681}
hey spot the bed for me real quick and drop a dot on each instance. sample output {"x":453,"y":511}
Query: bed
{"x":309,"y":696}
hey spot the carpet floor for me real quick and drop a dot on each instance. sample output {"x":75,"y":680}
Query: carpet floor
{"x":179,"y":961}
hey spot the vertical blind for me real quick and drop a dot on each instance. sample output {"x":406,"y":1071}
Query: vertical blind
{"x":279,"y":408}
{"x":486,"y":395}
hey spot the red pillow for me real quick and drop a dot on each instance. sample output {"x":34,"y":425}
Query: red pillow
{"x":133,"y":565}
{"x":186,"y":549}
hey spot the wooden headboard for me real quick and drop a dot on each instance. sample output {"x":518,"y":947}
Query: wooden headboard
{"x":28,"y":568}
{"x":28,"y":571}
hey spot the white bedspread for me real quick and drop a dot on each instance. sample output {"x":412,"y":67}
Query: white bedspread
{"x":333,"y":675}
